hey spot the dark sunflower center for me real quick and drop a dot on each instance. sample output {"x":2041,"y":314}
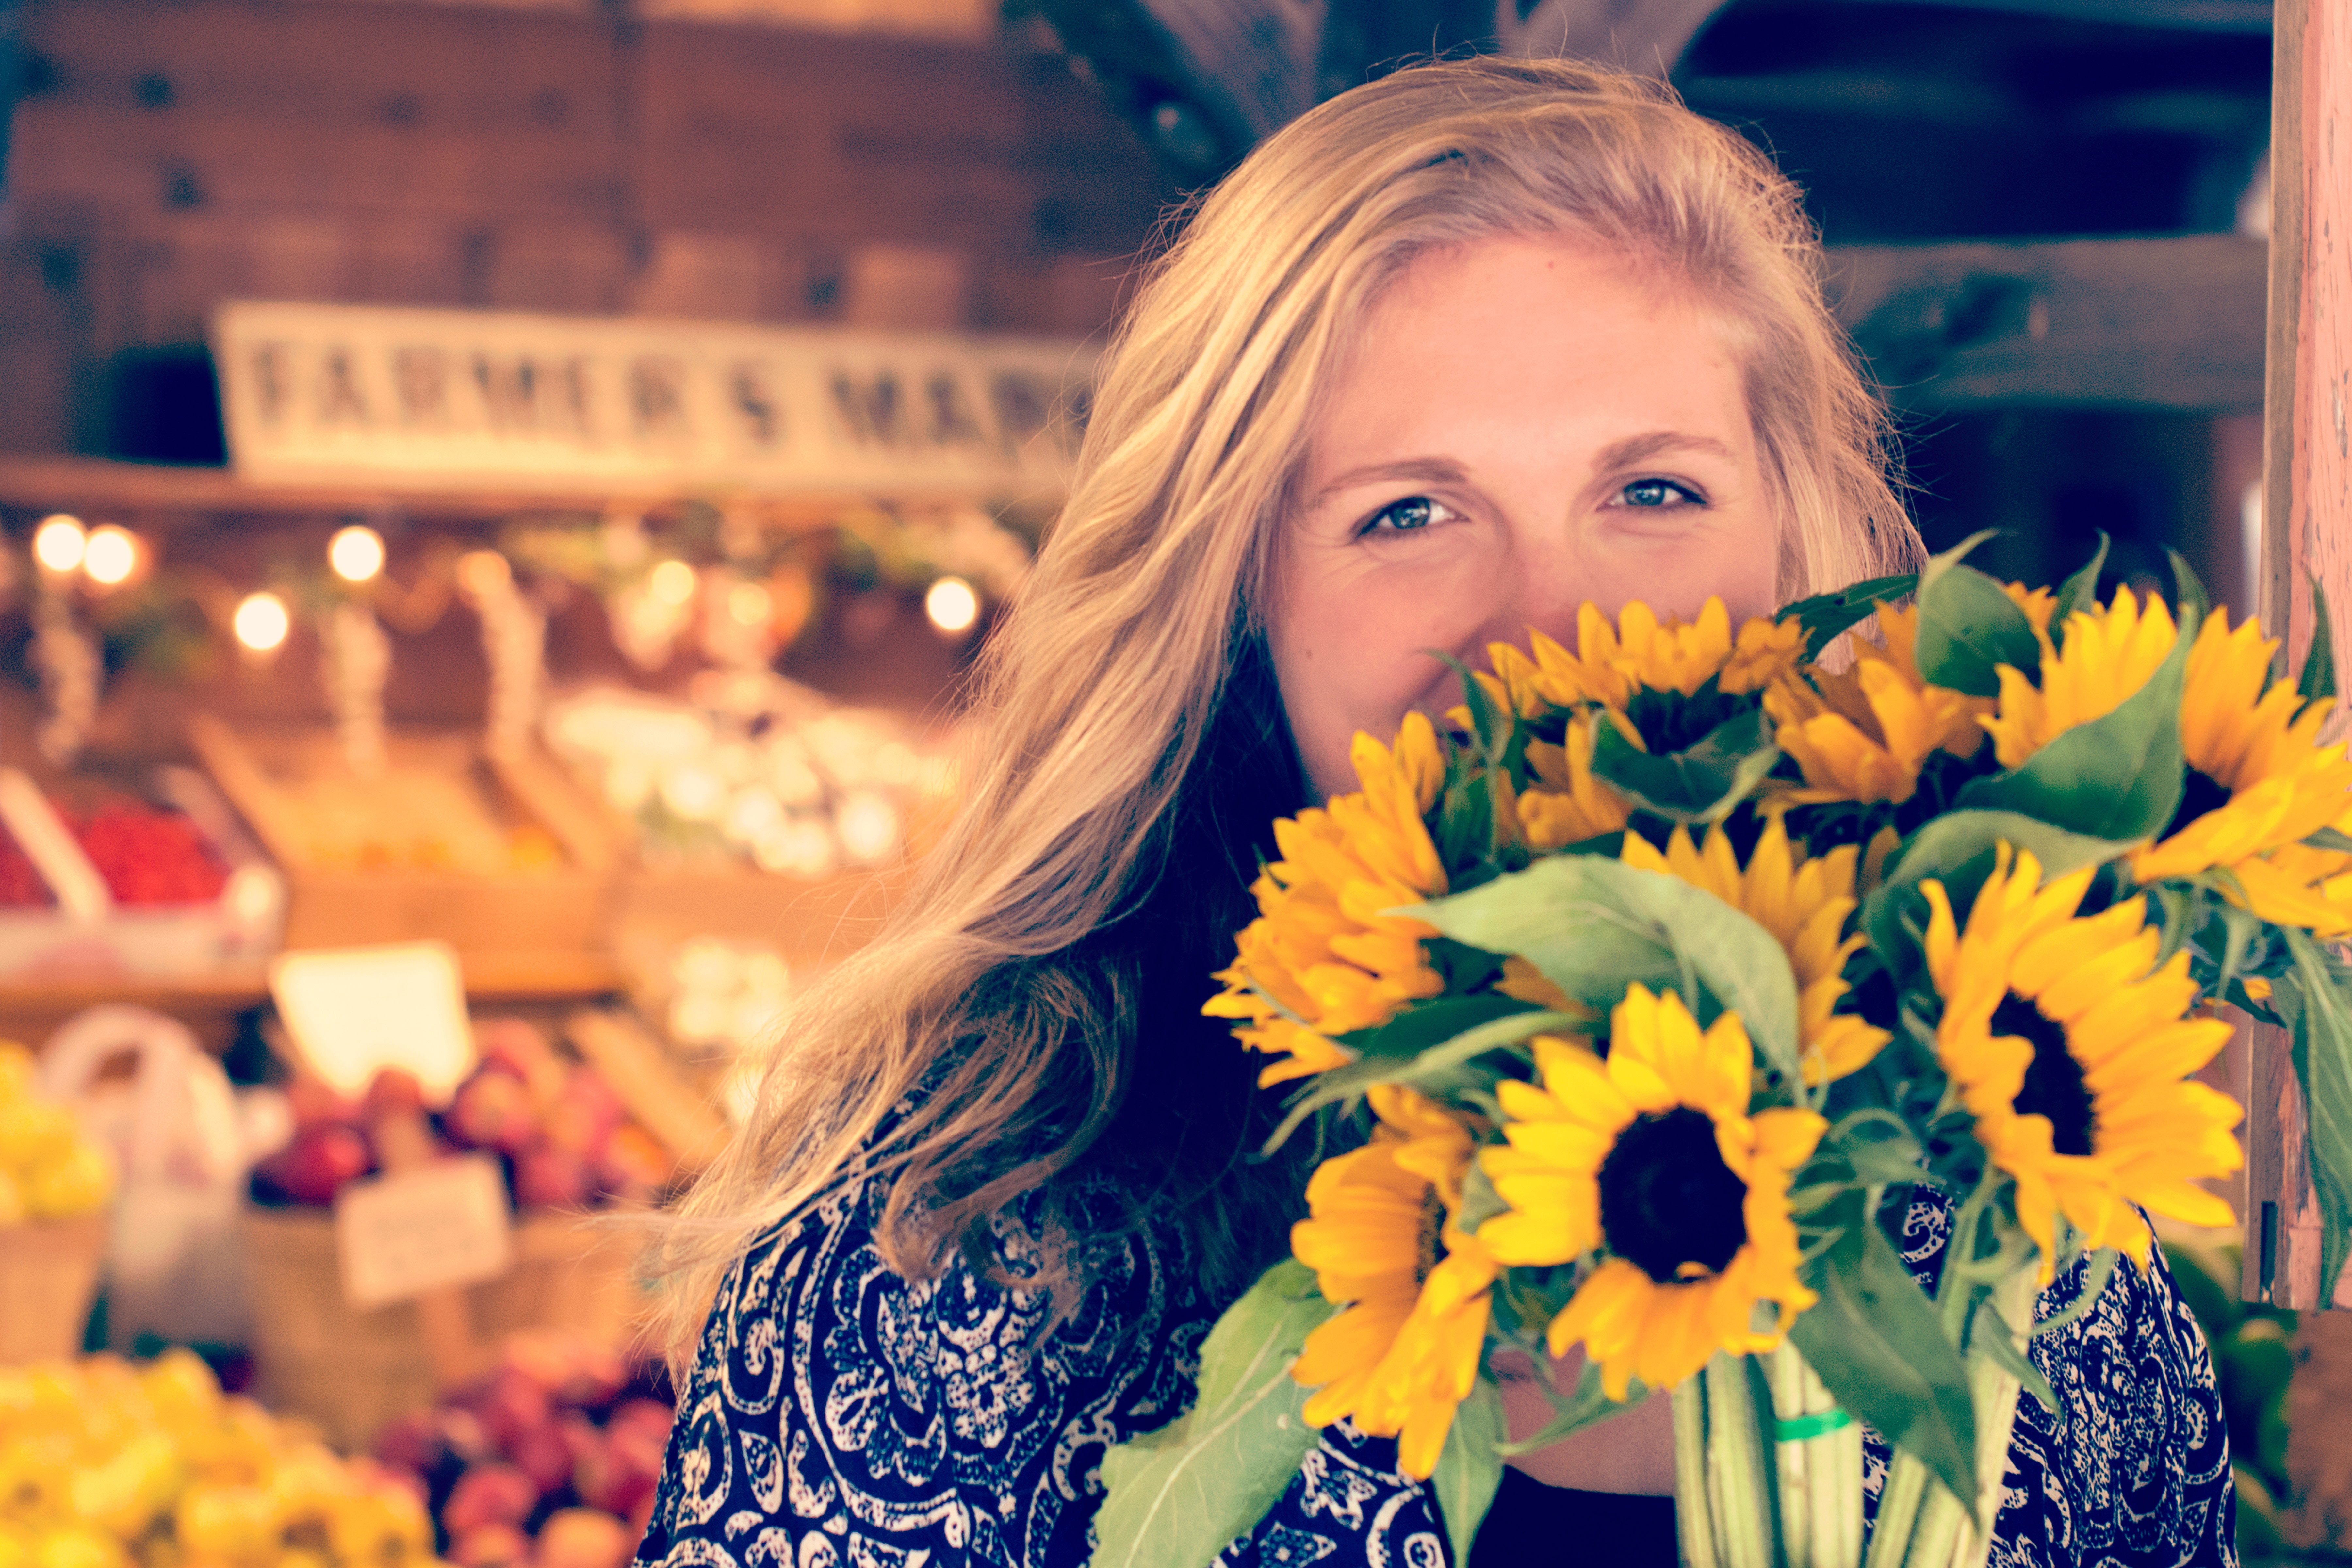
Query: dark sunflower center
{"x":1430,"y":1243}
{"x":2203,"y":793}
{"x":1668,"y":1199}
{"x":1670,"y":721}
{"x":2054,"y":1084}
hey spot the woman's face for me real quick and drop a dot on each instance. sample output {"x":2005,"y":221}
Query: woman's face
{"x":1523,"y":425}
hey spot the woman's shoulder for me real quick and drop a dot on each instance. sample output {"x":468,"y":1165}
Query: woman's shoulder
{"x":850,"y":1407}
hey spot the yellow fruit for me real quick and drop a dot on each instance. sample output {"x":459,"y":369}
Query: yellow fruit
{"x":34,"y":1474}
{"x":234,"y":1524}
{"x":78,"y":1546}
{"x":32,"y":1132}
{"x":79,"y":1183}
{"x":130,"y":1491}
{"x":183,"y":1390}
{"x":384,"y":1527}
{"x":17,"y":1069}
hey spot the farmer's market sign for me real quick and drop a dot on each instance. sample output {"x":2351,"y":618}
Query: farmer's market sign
{"x":465,"y":400}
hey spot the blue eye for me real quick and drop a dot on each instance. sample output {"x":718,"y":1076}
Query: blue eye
{"x":1658,"y":493}
{"x":1403,"y":516}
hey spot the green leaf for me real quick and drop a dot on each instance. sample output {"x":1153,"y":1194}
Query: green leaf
{"x":2118,"y":777}
{"x":2079,"y":591}
{"x":1878,"y":1347}
{"x":2004,"y":1353}
{"x":1488,"y":723}
{"x":2190,"y":603}
{"x":1435,"y":1022}
{"x":2323,"y":1061}
{"x":1825,"y":616}
{"x":1469,"y":1468}
{"x":1958,"y":849}
{"x":2318,"y":681}
{"x":1968,"y":625}
{"x":1435,"y":1071}
{"x":1179,"y":1496}
{"x":2330,"y":838}
{"x":1702,"y":784}
{"x":1594,"y":927}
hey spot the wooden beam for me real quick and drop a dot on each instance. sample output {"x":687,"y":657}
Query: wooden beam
{"x":2306,"y":533}
{"x":2173,"y":323}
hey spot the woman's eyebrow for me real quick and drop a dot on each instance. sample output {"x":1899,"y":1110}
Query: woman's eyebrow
{"x":1635,"y":448}
{"x":1434,"y":470}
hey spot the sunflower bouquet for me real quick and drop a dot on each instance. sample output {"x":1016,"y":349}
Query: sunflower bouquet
{"x":1641,"y":1000}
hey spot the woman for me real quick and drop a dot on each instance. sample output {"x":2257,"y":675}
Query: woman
{"x":1452,"y":355}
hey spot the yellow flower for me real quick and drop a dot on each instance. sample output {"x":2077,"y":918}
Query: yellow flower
{"x":1641,"y":651}
{"x":2073,"y":1058}
{"x":1863,"y":734}
{"x":1805,"y":905}
{"x":1653,"y":1155}
{"x":2109,"y":655}
{"x":1321,"y":959}
{"x":2259,"y":782}
{"x":1565,"y":804}
{"x":1404,"y":1353}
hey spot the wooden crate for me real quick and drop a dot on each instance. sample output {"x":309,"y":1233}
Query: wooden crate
{"x":314,"y":816}
{"x":49,"y":1275}
{"x":351,"y":1370}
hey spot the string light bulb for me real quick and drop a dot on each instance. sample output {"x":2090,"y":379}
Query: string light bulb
{"x":951,"y":605}
{"x":671,"y":582}
{"x":750,"y":604}
{"x":58,"y":544}
{"x":356,"y":553}
{"x":110,"y":555}
{"x":261,"y":622}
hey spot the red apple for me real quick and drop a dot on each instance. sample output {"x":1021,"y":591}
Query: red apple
{"x":551,"y":1178}
{"x":633,"y":1161}
{"x":519,"y":1048}
{"x":322,"y":1158}
{"x":494,"y":1111}
{"x":510,"y":1404}
{"x":584,"y":1115}
{"x":648,"y":1418}
{"x":461,"y":1433}
{"x":617,"y":1474}
{"x":583,"y":1538}
{"x":489,"y":1494}
{"x":490,"y":1546}
{"x":412,"y":1442}
{"x":392,"y":1093}
{"x":542,"y":1454}
{"x":596,"y":1378}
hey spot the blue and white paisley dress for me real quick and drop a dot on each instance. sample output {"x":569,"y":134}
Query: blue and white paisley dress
{"x":840,"y":1416}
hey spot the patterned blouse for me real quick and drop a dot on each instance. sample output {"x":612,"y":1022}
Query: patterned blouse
{"x":840,"y":1416}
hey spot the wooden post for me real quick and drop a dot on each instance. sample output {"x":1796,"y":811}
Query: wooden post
{"x":2307,"y":526}
{"x":2306,"y":536}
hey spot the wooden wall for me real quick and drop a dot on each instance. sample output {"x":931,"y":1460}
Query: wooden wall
{"x":170,"y":153}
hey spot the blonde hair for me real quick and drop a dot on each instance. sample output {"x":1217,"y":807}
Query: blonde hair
{"x":989,"y":1038}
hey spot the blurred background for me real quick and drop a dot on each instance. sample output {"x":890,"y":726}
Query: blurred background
{"x":645,"y":747}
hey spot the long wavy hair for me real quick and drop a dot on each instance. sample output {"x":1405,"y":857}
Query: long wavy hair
{"x":1031,"y":1008}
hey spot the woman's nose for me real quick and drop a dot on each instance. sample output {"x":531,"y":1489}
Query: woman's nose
{"x":1543,"y":588}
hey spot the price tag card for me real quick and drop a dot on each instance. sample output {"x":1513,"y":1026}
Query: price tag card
{"x":443,"y":1225}
{"x":352,"y":1011}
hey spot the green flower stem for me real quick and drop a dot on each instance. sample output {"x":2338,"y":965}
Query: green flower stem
{"x":1694,"y":1519}
{"x":1921,"y":1524}
{"x":1735,"y":1466}
{"x":1819,"y":1455}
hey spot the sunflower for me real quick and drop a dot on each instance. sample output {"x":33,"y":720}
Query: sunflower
{"x":1321,"y":959}
{"x":1382,"y":1239}
{"x":1805,"y":904}
{"x":1863,"y":734}
{"x":1564,"y":804}
{"x":2110,"y":652}
{"x":2073,"y":1058}
{"x":1653,"y":1155}
{"x":2259,"y":782}
{"x":1644,"y":653}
